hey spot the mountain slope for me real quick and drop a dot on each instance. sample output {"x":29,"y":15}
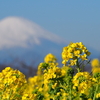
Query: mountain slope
{"x":15,"y":31}
{"x":27,"y":41}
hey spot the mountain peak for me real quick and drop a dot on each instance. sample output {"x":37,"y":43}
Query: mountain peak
{"x":17,"y":31}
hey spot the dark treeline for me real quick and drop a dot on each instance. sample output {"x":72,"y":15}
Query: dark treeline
{"x":28,"y":70}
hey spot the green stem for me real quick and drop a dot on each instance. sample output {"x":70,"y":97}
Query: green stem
{"x":10,"y":94}
{"x":2,"y":93}
{"x":78,"y":69}
{"x":78,"y":66}
{"x":70,"y":92}
{"x":95,"y":92}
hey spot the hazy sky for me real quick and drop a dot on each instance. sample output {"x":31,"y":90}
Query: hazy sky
{"x":73,"y":20}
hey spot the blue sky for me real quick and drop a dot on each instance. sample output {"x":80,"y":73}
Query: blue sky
{"x":73,"y":20}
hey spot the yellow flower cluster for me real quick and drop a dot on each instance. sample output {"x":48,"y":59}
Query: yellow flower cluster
{"x":50,"y":58}
{"x":11,"y":84}
{"x":82,"y":81}
{"x":95,"y":65}
{"x":73,"y":52}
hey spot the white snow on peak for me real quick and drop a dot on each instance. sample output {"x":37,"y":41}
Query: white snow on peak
{"x":16,"y":31}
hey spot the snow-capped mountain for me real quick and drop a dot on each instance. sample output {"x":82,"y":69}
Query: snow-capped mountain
{"x":15,"y":31}
{"x":27,"y":41}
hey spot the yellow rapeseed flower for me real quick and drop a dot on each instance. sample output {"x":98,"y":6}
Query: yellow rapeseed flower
{"x":50,"y":58}
{"x":95,"y":70}
{"x":95,"y":63}
{"x":73,"y":52}
{"x":98,"y":95}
